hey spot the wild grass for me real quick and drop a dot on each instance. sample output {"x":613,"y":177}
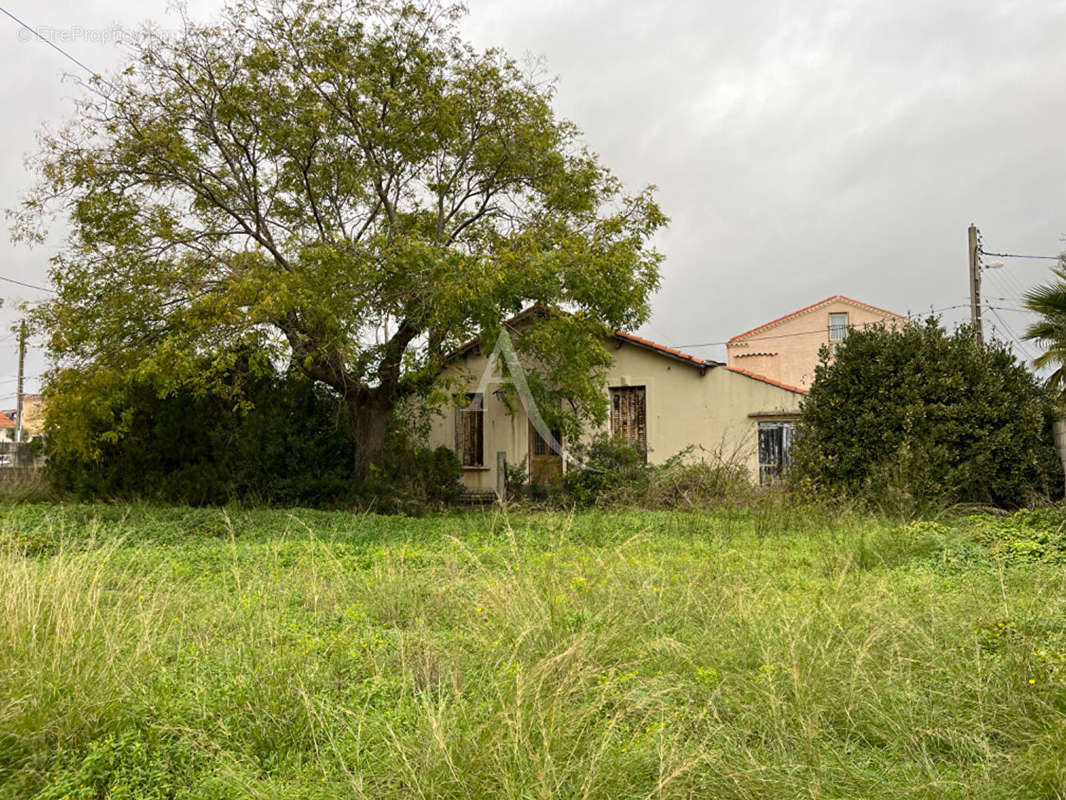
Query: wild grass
{"x":763,"y":653}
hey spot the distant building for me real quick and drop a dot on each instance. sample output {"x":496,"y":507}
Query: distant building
{"x":786,"y":349}
{"x":32,"y":419}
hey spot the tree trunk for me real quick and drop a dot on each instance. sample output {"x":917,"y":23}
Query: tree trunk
{"x":370,"y":419}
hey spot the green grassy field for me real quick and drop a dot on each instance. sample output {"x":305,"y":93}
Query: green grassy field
{"x":770,"y":653}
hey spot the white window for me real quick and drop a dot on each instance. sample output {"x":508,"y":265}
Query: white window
{"x":775,"y":450}
{"x":838,"y":327}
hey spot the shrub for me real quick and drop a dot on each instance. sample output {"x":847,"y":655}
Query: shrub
{"x":112,"y":437}
{"x":616,"y":475}
{"x":411,"y":480}
{"x":516,"y":480}
{"x":608,"y":467}
{"x":683,"y":483}
{"x":1022,"y":537}
{"x":916,"y":417}
{"x":279,"y":440}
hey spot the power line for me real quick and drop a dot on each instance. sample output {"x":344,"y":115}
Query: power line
{"x":1008,"y":282}
{"x":1013,"y":335}
{"x":1016,"y":310}
{"x":23,"y":283}
{"x":93,"y":73}
{"x":1017,"y":255}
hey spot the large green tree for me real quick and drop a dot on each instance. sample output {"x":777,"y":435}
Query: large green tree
{"x":349,"y":186}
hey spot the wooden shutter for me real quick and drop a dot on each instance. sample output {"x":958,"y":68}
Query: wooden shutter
{"x":470,"y":432}
{"x":629,"y":419}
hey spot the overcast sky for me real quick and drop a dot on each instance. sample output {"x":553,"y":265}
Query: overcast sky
{"x":801,"y":150}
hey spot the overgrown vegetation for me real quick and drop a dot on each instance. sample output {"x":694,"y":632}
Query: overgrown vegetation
{"x":616,"y":475}
{"x":918,"y":418}
{"x":753,"y":653}
{"x":277,"y":439}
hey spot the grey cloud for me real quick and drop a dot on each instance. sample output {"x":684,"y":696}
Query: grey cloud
{"x":801,"y":149}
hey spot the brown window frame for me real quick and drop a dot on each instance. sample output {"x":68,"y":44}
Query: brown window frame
{"x":470,"y":431}
{"x":635,"y":436}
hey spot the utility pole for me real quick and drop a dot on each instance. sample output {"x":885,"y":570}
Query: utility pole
{"x":22,"y":366}
{"x":975,"y":284}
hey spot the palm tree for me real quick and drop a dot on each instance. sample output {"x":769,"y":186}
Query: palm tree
{"x":1049,"y":301}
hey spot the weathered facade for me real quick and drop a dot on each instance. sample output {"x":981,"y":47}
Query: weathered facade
{"x":660,"y":399}
{"x":786,"y":349}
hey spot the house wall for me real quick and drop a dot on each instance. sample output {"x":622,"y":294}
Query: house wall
{"x":794,"y":343}
{"x":32,"y":416}
{"x":711,"y":411}
{"x":761,"y":362}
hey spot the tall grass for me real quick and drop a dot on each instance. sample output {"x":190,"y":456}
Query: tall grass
{"x":746,"y":654}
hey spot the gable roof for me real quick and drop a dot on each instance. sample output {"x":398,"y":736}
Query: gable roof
{"x":6,"y":421}
{"x":463,"y":349}
{"x":662,"y":349}
{"x":834,"y":298}
{"x":619,"y":336}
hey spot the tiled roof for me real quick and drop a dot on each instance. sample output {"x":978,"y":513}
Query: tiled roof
{"x":6,"y":421}
{"x":666,"y":351}
{"x":621,"y":335}
{"x":812,"y":306}
{"x":764,"y":379}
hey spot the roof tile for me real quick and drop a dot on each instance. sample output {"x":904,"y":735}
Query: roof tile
{"x":764,"y":379}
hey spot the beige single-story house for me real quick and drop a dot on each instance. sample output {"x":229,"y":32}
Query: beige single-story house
{"x":786,"y":349}
{"x":661,"y":400}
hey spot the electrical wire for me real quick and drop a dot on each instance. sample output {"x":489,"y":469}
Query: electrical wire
{"x":1011,"y":308}
{"x":1007,"y":282}
{"x":1013,"y":335}
{"x":1017,"y":255}
{"x":93,"y":73}
{"x":23,"y":283}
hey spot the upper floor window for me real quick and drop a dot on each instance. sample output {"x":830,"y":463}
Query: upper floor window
{"x":838,"y":327}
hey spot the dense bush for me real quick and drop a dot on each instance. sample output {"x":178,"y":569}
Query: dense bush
{"x":410,"y":480}
{"x":279,"y":441}
{"x":608,"y":466}
{"x":917,"y":417}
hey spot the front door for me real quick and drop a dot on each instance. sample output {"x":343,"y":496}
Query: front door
{"x":545,"y":462}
